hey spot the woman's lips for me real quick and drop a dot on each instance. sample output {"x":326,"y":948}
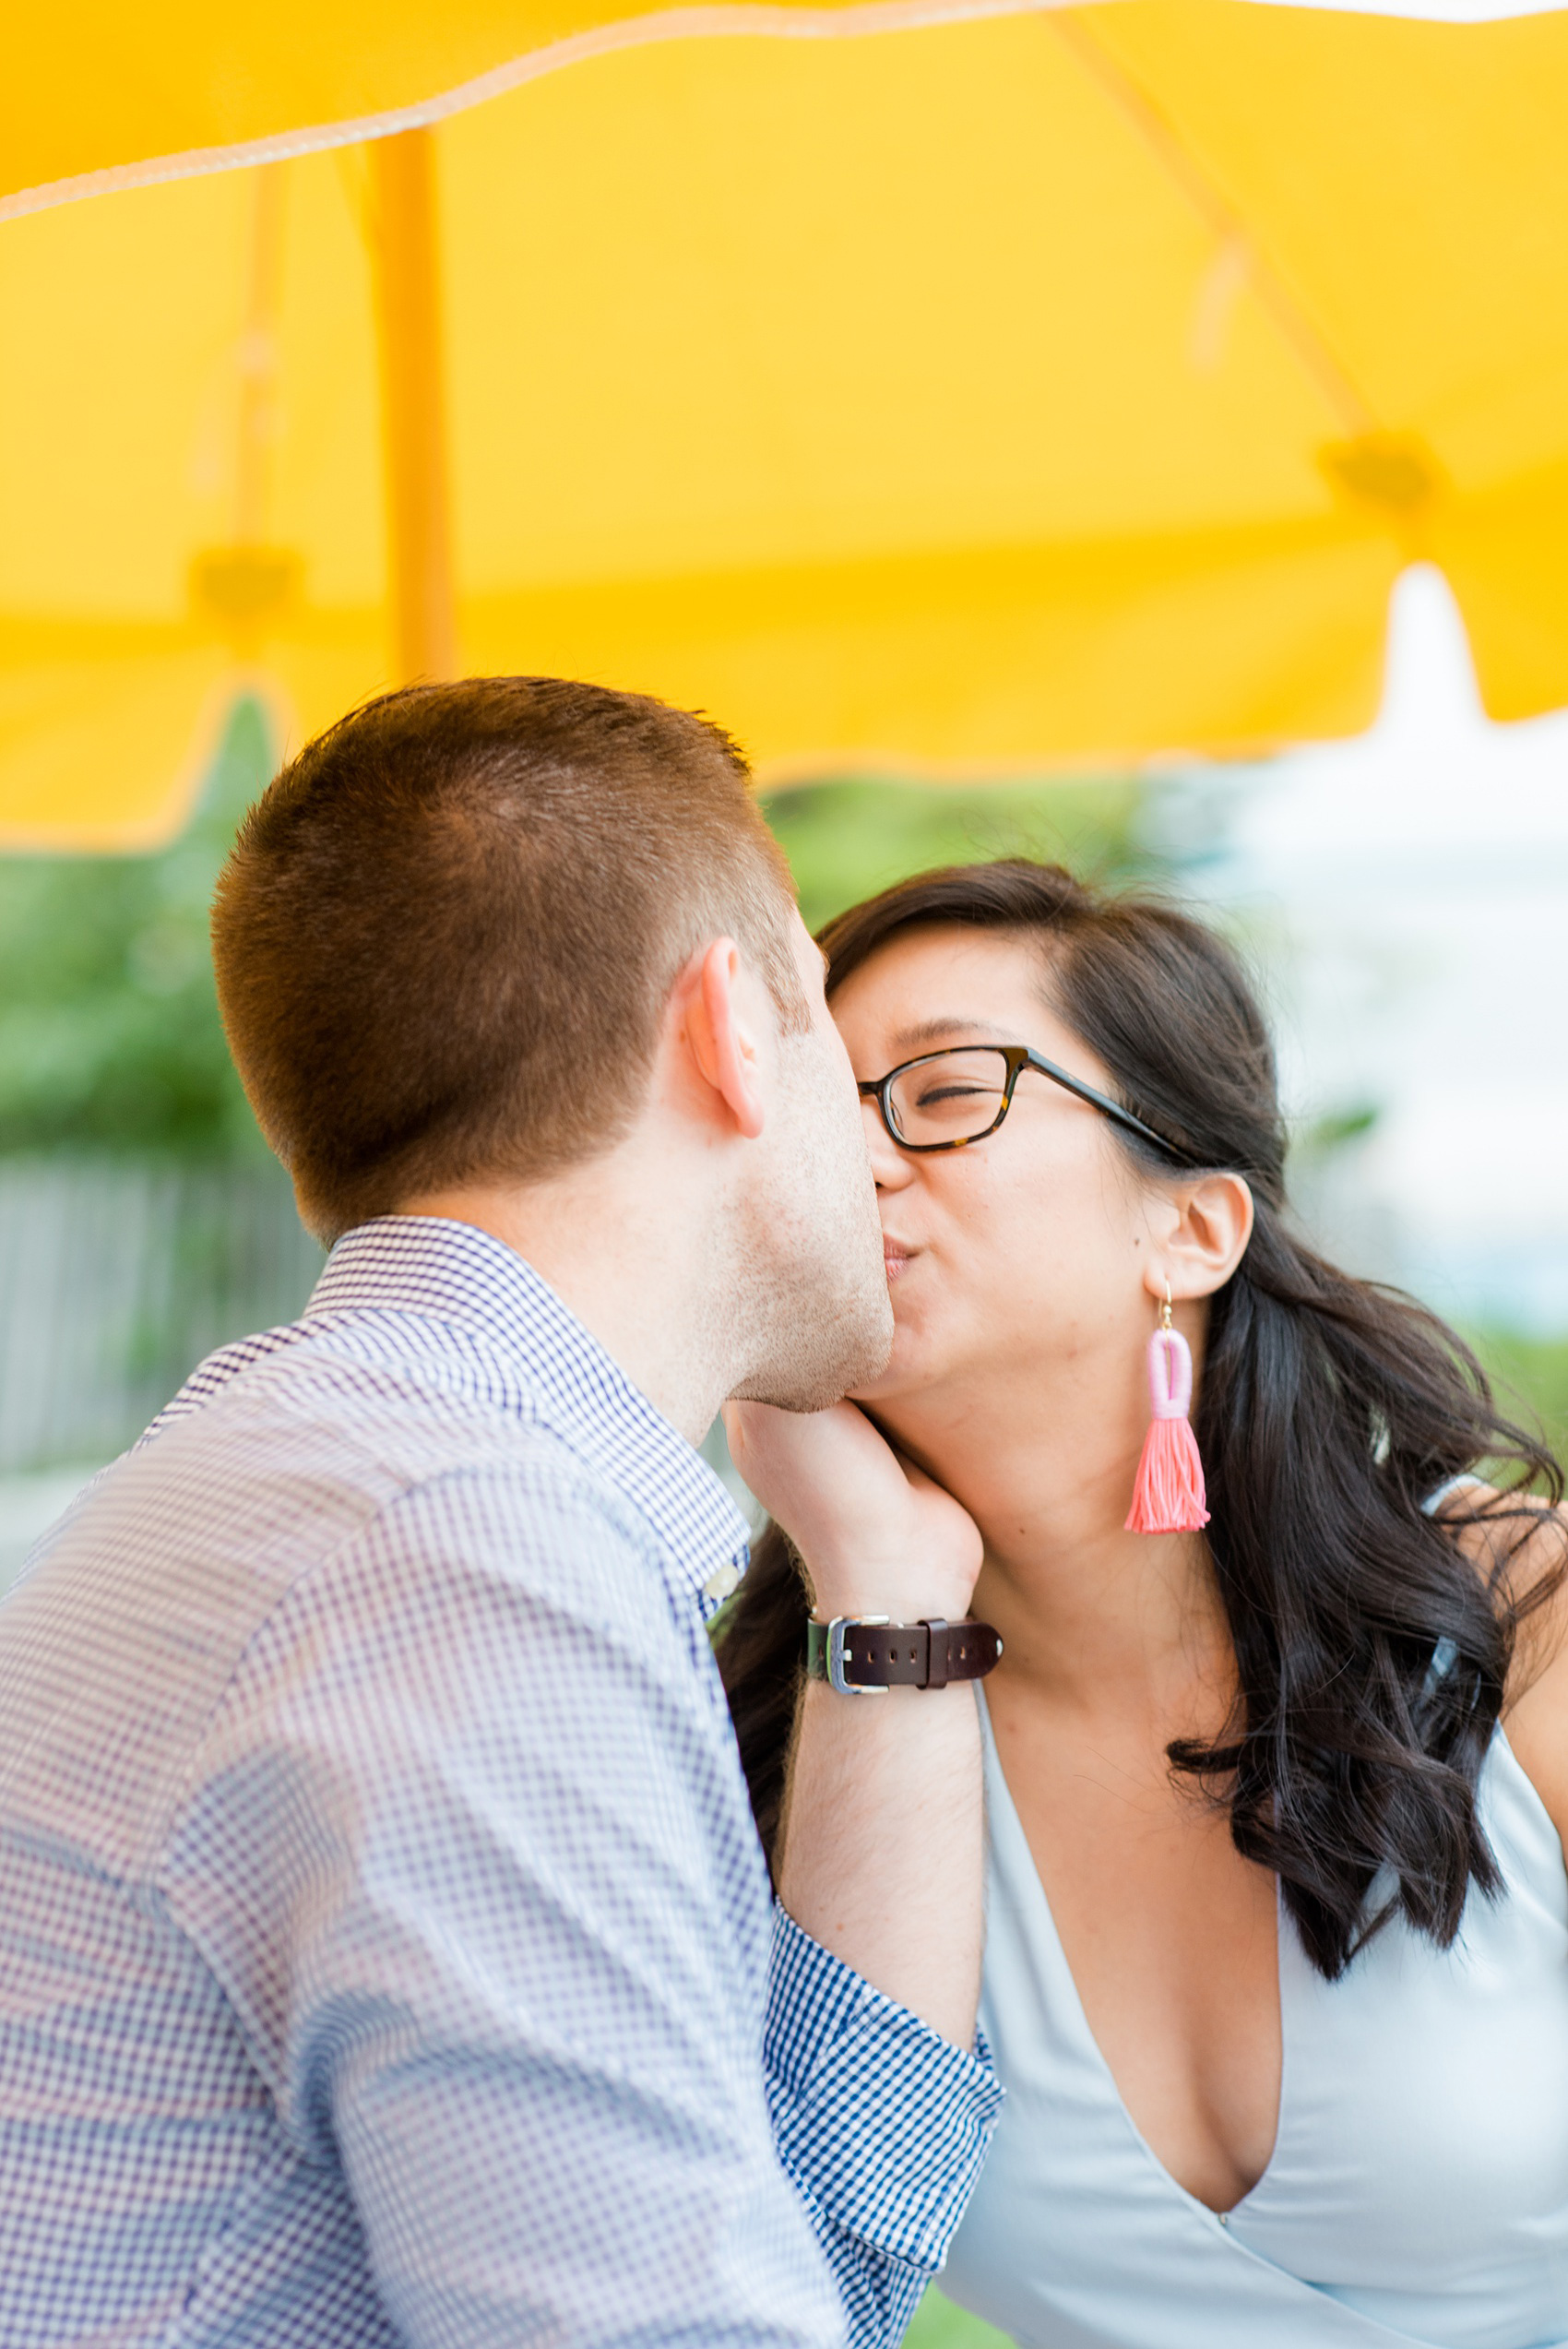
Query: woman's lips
{"x":894,"y":1255}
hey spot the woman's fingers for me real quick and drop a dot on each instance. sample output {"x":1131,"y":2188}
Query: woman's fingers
{"x":875,"y":1533}
{"x":824,"y":1464}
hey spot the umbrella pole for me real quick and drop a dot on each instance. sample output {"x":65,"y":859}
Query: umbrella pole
{"x":419,"y":547}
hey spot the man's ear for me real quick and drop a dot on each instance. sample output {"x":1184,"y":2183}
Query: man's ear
{"x":1207,"y":1239}
{"x":724,"y":1040}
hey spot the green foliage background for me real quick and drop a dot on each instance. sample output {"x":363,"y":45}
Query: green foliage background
{"x":110,"y":1039}
{"x":845,"y":841}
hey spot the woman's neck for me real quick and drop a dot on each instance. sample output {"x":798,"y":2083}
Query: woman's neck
{"x":1093,"y":1617}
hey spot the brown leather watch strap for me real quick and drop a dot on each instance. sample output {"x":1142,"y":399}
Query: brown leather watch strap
{"x":857,"y":1652}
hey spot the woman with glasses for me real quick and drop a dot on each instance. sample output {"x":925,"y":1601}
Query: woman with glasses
{"x":1277,"y":1753}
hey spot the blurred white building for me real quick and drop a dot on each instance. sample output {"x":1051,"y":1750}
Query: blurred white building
{"x":1405,"y":896}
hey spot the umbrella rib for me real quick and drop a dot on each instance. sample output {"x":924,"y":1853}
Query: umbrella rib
{"x":1164,"y":141}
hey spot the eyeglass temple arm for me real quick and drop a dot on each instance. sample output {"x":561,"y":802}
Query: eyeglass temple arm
{"x":1029,"y":1059}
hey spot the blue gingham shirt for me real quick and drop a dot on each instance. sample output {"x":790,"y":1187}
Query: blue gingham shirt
{"x":385,"y":1950}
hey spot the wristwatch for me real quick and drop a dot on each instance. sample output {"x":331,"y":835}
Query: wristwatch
{"x":865,"y":1655}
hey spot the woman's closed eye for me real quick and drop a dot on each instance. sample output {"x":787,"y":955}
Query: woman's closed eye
{"x":933,"y":1096}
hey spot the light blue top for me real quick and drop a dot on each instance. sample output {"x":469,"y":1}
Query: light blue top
{"x":1418,"y":2192}
{"x":387,"y":1956}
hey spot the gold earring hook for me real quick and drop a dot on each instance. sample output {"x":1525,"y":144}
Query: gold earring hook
{"x":1165,"y":1309}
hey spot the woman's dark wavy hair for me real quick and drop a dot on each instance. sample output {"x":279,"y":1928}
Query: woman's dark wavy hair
{"x":1372,"y":1653}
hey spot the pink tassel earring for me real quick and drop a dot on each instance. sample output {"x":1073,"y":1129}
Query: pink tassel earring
{"x":1168,"y":1497}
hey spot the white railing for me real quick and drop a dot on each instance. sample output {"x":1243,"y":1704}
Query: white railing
{"x":116,"y":1276}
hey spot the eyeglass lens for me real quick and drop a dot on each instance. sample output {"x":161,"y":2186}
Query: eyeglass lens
{"x":953,"y":1097}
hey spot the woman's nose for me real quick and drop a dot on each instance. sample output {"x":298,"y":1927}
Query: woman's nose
{"x":888,"y":1163}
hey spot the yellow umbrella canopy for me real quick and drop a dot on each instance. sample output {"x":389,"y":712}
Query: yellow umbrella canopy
{"x":1063,"y":387}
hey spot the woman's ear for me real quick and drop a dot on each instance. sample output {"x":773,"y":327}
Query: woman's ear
{"x":1207,"y":1237}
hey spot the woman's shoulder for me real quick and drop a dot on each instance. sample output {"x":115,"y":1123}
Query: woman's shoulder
{"x":1519,"y":1544}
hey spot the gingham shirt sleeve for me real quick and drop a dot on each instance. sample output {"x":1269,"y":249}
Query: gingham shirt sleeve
{"x":450,"y":1850}
{"x":882,"y":2124}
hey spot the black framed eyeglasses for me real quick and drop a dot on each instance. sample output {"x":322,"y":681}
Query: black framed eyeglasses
{"x":948,"y":1099}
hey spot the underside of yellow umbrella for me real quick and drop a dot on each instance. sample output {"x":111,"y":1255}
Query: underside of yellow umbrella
{"x":1060,"y":388}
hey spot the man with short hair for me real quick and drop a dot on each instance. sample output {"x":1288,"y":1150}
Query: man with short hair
{"x":386,"y":1954}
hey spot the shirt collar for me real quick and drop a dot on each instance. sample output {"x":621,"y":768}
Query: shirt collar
{"x":455,"y":1274}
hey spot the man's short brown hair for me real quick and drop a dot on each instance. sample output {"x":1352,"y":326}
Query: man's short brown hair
{"x":448,"y":930}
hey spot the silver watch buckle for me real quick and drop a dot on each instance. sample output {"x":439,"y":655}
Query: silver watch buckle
{"x":839,"y":1626}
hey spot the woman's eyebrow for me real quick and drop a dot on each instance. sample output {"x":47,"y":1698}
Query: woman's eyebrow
{"x":930,"y":1031}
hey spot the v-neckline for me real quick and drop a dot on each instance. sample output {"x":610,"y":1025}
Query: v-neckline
{"x":997,"y":1786}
